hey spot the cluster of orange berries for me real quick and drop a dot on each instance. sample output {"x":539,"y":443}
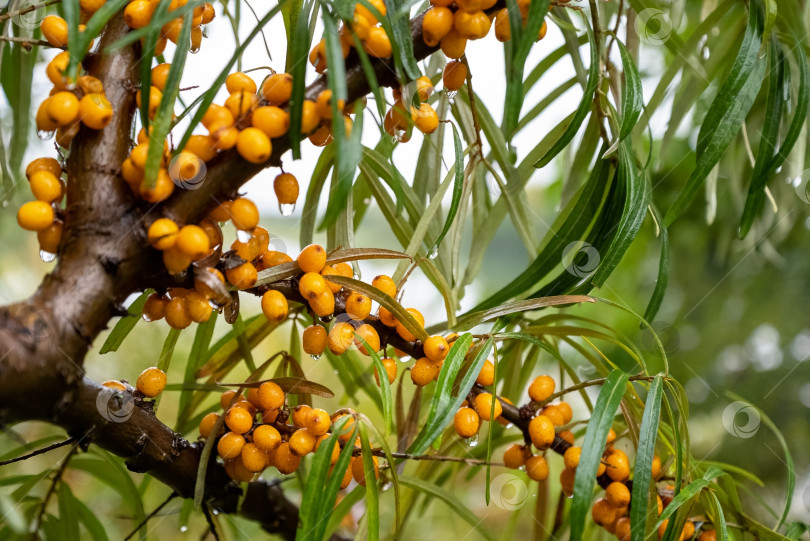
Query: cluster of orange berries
{"x":138,"y":14}
{"x":366,"y":27}
{"x":451,"y":28}
{"x":45,"y":180}
{"x":263,"y":431}
{"x":149,"y":384}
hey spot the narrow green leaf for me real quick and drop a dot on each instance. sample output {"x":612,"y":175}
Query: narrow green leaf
{"x":633,"y":98}
{"x":372,"y":495}
{"x":385,"y":389}
{"x":72,"y":11}
{"x":199,"y":349}
{"x":727,"y":112}
{"x":91,"y":522}
{"x":298,"y":46}
{"x":398,"y":15}
{"x":68,"y":516}
{"x":719,"y":518}
{"x":472,"y":319}
{"x":125,"y":324}
{"x":458,"y":188}
{"x":642,"y":471}
{"x":584,"y":105}
{"x":663,"y":269}
{"x":166,"y":358}
{"x":610,"y":396}
{"x":687,"y":493}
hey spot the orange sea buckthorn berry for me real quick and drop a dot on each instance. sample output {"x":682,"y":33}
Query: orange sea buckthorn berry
{"x":309,"y":117}
{"x":274,"y":306}
{"x":436,"y":23}
{"x":253,"y":459}
{"x":242,"y":277}
{"x":323,"y":104}
{"x":50,"y":237}
{"x":138,"y":13}
{"x":341,"y":337}
{"x":311,"y":285}
{"x":266,"y":437}
{"x":151,"y":382}
{"x":273,"y":121}
{"x":623,"y":529}
{"x":390,"y":366}
{"x":358,"y":306}
{"x":567,"y":481}
{"x":571,"y":457}
{"x":603,"y":513}
{"x":314,"y":339}
{"x":227,"y":397}
{"x":473,"y":25}
{"x":312,"y":258}
{"x":63,"y":108}
{"x":46,"y":187}
{"x":483,"y":403}
{"x":567,"y":435}
{"x":277,"y":88}
{"x":241,"y":104}
{"x":160,"y":74}
{"x":618,"y":494}
{"x":286,"y":187}
{"x":54,"y":30}
{"x":385,"y":284}
{"x":541,"y":388}
{"x":95,"y":111}
{"x":35,"y":215}
{"x":611,"y":437}
{"x":224,"y":136}
{"x":424,"y":371}
{"x":176,"y":314}
{"x":366,"y":338}
{"x":162,"y":189}
{"x":436,"y":348}
{"x":404,"y":333}
{"x":486,"y":376}
{"x":271,"y":395}
{"x":466,"y":422}
{"x":175,"y":261}
{"x":238,"y":420}
{"x":329,"y":270}
{"x":207,"y":424}
{"x":708,"y":535}
{"x":537,"y":468}
{"x":564,"y":408}
{"x":323,"y":304}
{"x":155,"y":96}
{"x":514,"y":456}
{"x":656,"y":467}
{"x":238,"y":81}
{"x":363,"y":11}
{"x":197,"y":307}
{"x":618,"y":466}
{"x":453,"y":44}
{"x":688,"y":531}
{"x":217,"y":115}
{"x":154,"y":307}
{"x":554,"y":414}
{"x":254,"y":145}
{"x":244,"y":214}
{"x":377,"y":43}
{"x":359,"y":471}
{"x":49,"y":165}
{"x":317,"y":422}
{"x":204,"y":147}
{"x":192,"y":240}
{"x":541,"y":432}
{"x":302,"y":442}
{"x":503,"y":32}
{"x":230,"y":445}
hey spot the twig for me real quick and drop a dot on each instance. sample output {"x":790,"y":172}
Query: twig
{"x":150,"y":515}
{"x":211,"y":526}
{"x":38,"y":451}
{"x":51,"y":490}
{"x":438,"y":458}
{"x":29,"y":9}
{"x":597,"y":100}
{"x":471,"y":95}
{"x":28,"y":43}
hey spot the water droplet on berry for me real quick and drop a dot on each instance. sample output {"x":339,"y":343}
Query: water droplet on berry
{"x":194,"y":49}
{"x":183,"y":529}
{"x":47,"y":257}
{"x":44,"y":135}
{"x":451,"y":95}
{"x":286,"y":209}
{"x":472,"y":442}
{"x":146,"y":317}
{"x":510,"y":425}
{"x":434,"y":252}
{"x":243,"y":236}
{"x":315,"y":357}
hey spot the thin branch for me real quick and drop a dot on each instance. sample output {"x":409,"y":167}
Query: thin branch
{"x":437,"y":458}
{"x":29,"y":9}
{"x":52,"y":489}
{"x":212,"y":527}
{"x":38,"y":451}
{"x":150,"y":515}
{"x":28,"y":43}
{"x":597,"y":99}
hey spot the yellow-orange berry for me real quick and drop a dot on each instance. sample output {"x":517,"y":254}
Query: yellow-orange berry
{"x":486,"y":376}
{"x":483,"y":403}
{"x":567,"y":481}
{"x":299,"y":415}
{"x":618,"y":466}
{"x":358,"y":306}
{"x":197,"y":307}
{"x":207,"y":424}
{"x":623,"y":529}
{"x":359,"y":471}
{"x":424,"y":371}
{"x":54,"y":30}
{"x":35,"y":215}
{"x":436,"y":23}
{"x":192,"y":240}
{"x":323,"y":104}
{"x":273,"y":121}
{"x":311,"y":284}
{"x":571,"y":457}
{"x":323,"y":304}
{"x":286,"y":187}
{"x":138,"y":13}
{"x":302,"y":442}
{"x":49,"y":165}
{"x":175,"y":261}
{"x":453,"y":45}
{"x":466,"y":421}
{"x":253,"y":459}
{"x":312,"y":258}
{"x":611,"y":437}
{"x":390,"y":366}
{"x":63,"y":108}
{"x":238,"y":420}
{"x":708,"y":535}
{"x":241,"y":104}
{"x":309,"y":117}
{"x":46,"y":187}
{"x":377,"y":43}
{"x":95,"y":111}
{"x":425,"y":118}
{"x":603,"y":513}
{"x":618,"y":494}
{"x":244,"y":214}
{"x":314,"y":339}
{"x":404,"y":333}
{"x":514,"y":456}
{"x":271,"y":395}
{"x":656,"y":467}
{"x":162,"y":189}
{"x":317,"y":422}
{"x":254,"y":145}
{"x":366,"y":338}
{"x":385,"y":284}
{"x":537,"y":468}
{"x":242,"y":277}
{"x":277,"y":88}
{"x":237,"y":82}
{"x":341,"y":337}
{"x":346,"y":432}
{"x":266,"y":437}
{"x":436,"y":348}
{"x":274,"y":306}
{"x":541,"y":388}
{"x":230,"y":445}
{"x":151,"y":382}
{"x":154,"y":307}
{"x":541,"y":432}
